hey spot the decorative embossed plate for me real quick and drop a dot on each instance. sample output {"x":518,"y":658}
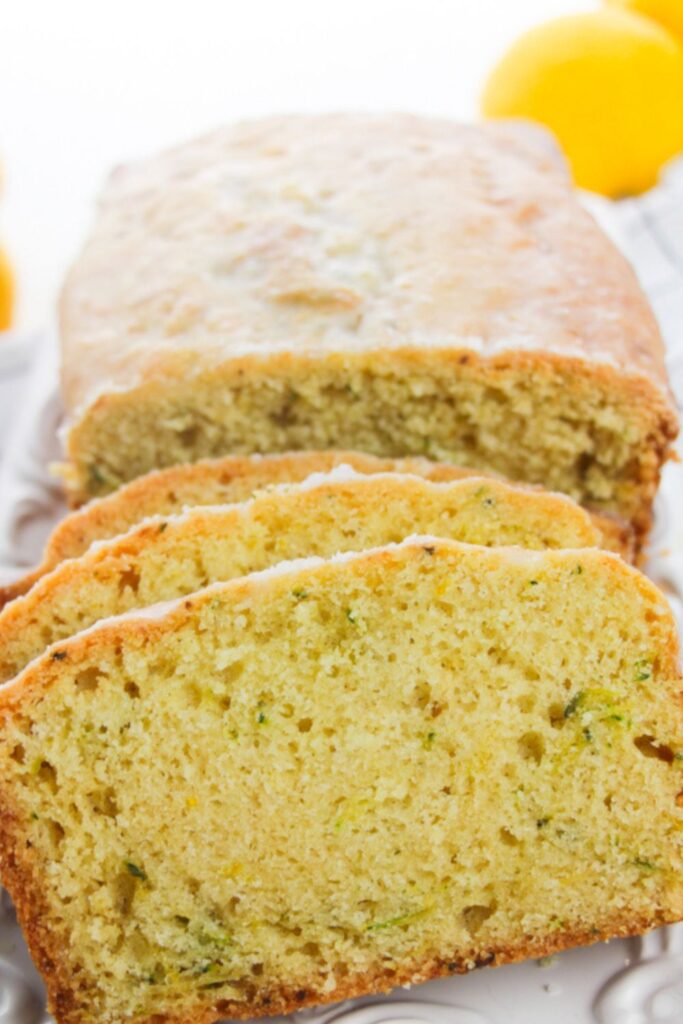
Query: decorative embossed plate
{"x":637,"y":981}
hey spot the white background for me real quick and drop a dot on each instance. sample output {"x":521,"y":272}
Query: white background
{"x":85,"y":84}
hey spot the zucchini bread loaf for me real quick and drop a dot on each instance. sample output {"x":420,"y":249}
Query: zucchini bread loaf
{"x":393,"y":284}
{"x":167,"y":557}
{"x":335,"y":777}
{"x":235,"y":478}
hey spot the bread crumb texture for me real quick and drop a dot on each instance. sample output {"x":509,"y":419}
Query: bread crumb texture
{"x":167,"y":557}
{"x":590,"y":433}
{"x":232,"y":479}
{"x":343,"y":775}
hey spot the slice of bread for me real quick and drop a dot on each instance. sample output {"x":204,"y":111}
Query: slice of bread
{"x":231,"y":479}
{"x":166,"y":557}
{"x":335,"y":777}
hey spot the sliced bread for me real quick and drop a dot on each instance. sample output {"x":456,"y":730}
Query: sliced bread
{"x":335,"y":777}
{"x":166,"y":557}
{"x":231,"y":479}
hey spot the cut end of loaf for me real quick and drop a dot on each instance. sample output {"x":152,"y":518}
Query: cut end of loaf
{"x":588,"y":432}
{"x":445,"y":756}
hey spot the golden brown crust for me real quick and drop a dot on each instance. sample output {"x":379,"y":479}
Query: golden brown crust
{"x":617,"y":536}
{"x":233,"y":478}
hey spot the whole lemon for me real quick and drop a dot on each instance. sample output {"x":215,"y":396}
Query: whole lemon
{"x":609,"y":85}
{"x":6,"y":292}
{"x":668,"y":13}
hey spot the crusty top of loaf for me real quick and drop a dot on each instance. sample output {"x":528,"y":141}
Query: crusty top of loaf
{"x":346,"y":233}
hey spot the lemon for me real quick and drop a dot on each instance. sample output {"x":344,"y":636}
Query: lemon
{"x":668,"y":13}
{"x":609,"y":85}
{"x":6,"y":292}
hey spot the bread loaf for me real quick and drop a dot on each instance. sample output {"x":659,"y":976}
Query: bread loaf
{"x":388,"y":283}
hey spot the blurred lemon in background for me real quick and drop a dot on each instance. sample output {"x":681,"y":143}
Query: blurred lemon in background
{"x":609,"y":84}
{"x":6,"y":282}
{"x":668,"y":13}
{"x":6,"y":291}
